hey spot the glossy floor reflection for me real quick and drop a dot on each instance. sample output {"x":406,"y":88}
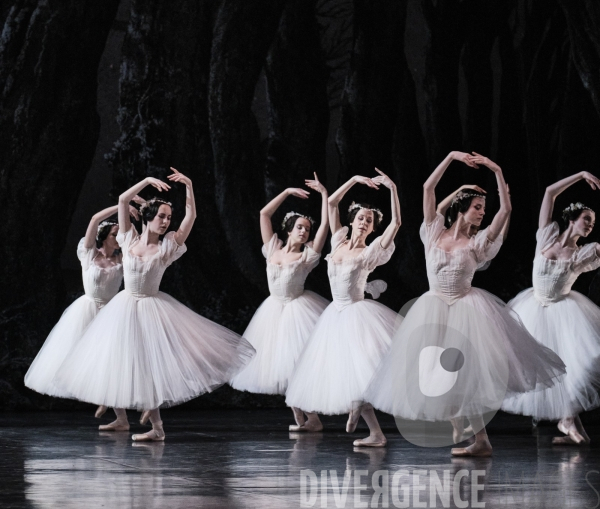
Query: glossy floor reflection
{"x":241,"y":458}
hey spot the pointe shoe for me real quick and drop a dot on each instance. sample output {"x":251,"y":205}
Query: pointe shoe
{"x":307,"y":426}
{"x":479,"y":450}
{"x":369,"y":442}
{"x":353,"y":419}
{"x":563,"y":441}
{"x":572,"y":433}
{"x":145,"y":416}
{"x":100,"y":411}
{"x":298,"y":416}
{"x":156,"y":434}
{"x":114,"y":426}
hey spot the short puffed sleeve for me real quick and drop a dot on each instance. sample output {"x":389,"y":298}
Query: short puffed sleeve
{"x":586,"y":258}
{"x":546,"y":236}
{"x":86,"y":256}
{"x":126,"y":238}
{"x":310,"y":258}
{"x":338,"y":238}
{"x":170,"y":250}
{"x":430,"y":233}
{"x":376,"y":255}
{"x":270,"y":247}
{"x":484,"y":248}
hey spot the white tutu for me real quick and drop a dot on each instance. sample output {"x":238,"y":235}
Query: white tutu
{"x":278,"y":331}
{"x":349,"y":340}
{"x":565,"y":321}
{"x":459,"y":350}
{"x":500,"y":357}
{"x":101,"y":285}
{"x":282,"y":324}
{"x":145,"y":349}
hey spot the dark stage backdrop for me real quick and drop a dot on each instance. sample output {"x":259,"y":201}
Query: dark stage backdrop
{"x":249,"y":97}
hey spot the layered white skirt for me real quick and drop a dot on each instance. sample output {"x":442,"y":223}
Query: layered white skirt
{"x":278,"y":331}
{"x":341,"y":357}
{"x":150,"y":352}
{"x":459,"y":360}
{"x":570,"y":327}
{"x":58,"y":344}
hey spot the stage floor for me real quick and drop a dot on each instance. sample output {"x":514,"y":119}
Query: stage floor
{"x":242,"y":458}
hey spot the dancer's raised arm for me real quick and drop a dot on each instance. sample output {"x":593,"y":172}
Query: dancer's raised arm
{"x":447,"y":201}
{"x":558,"y":187}
{"x":185,"y":227}
{"x":336,"y":198}
{"x":390,"y":232}
{"x":130,"y":194}
{"x":266,"y":226}
{"x":321,"y":234}
{"x":429,"y":208}
{"x":98,"y":217}
{"x":505,"y":206}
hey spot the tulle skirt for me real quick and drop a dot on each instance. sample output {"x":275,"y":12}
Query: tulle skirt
{"x":570,"y":327}
{"x":57,"y":346}
{"x":459,"y":360}
{"x":340,"y":357}
{"x":278,"y":331}
{"x":150,"y":352}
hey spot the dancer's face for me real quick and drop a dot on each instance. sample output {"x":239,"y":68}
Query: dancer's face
{"x":300,"y":232}
{"x":584,"y":224}
{"x":161,"y":221}
{"x":110,"y":243}
{"x":474,"y":215}
{"x":363,"y":223}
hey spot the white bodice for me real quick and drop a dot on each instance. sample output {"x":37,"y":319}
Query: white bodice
{"x":143,"y":276}
{"x":553,"y":279}
{"x":286,"y":282}
{"x":348,"y":278}
{"x":99,"y":284}
{"x":450,"y":273}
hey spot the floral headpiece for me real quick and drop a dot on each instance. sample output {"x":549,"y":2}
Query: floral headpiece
{"x":576,"y":206}
{"x":461,"y":195}
{"x":292,"y":214}
{"x":110,"y":222}
{"x":154,"y":200}
{"x":359,"y":206}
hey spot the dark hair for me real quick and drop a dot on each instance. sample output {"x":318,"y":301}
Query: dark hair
{"x":288,"y":226}
{"x":149,"y":211}
{"x":103,"y":233}
{"x":461,"y":205}
{"x":569,"y":215}
{"x":352,"y":214}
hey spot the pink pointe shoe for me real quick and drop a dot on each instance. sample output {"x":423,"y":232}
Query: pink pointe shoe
{"x":114,"y":426}
{"x":156,"y":434}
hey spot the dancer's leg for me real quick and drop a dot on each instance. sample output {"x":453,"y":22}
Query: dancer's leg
{"x":482,"y":446}
{"x":100,"y":411}
{"x":121,"y":424}
{"x":376,"y":437}
{"x":354,"y":416}
{"x":298,"y":416}
{"x":572,"y":427}
{"x":156,"y":433}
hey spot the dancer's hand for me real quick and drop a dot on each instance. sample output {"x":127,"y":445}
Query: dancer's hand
{"x":315,"y":184}
{"x":473,"y":187}
{"x":593,"y":182}
{"x":383,"y":180}
{"x":468,"y":159}
{"x":297,"y":192}
{"x":158,"y":184}
{"x":365,"y":181}
{"x":485,"y":161}
{"x":179,"y":177}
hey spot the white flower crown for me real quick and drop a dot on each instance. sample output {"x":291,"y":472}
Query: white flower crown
{"x":154,"y":200}
{"x":103,"y":224}
{"x":461,"y":195}
{"x":576,"y":206}
{"x":359,"y":206}
{"x":292,"y":214}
